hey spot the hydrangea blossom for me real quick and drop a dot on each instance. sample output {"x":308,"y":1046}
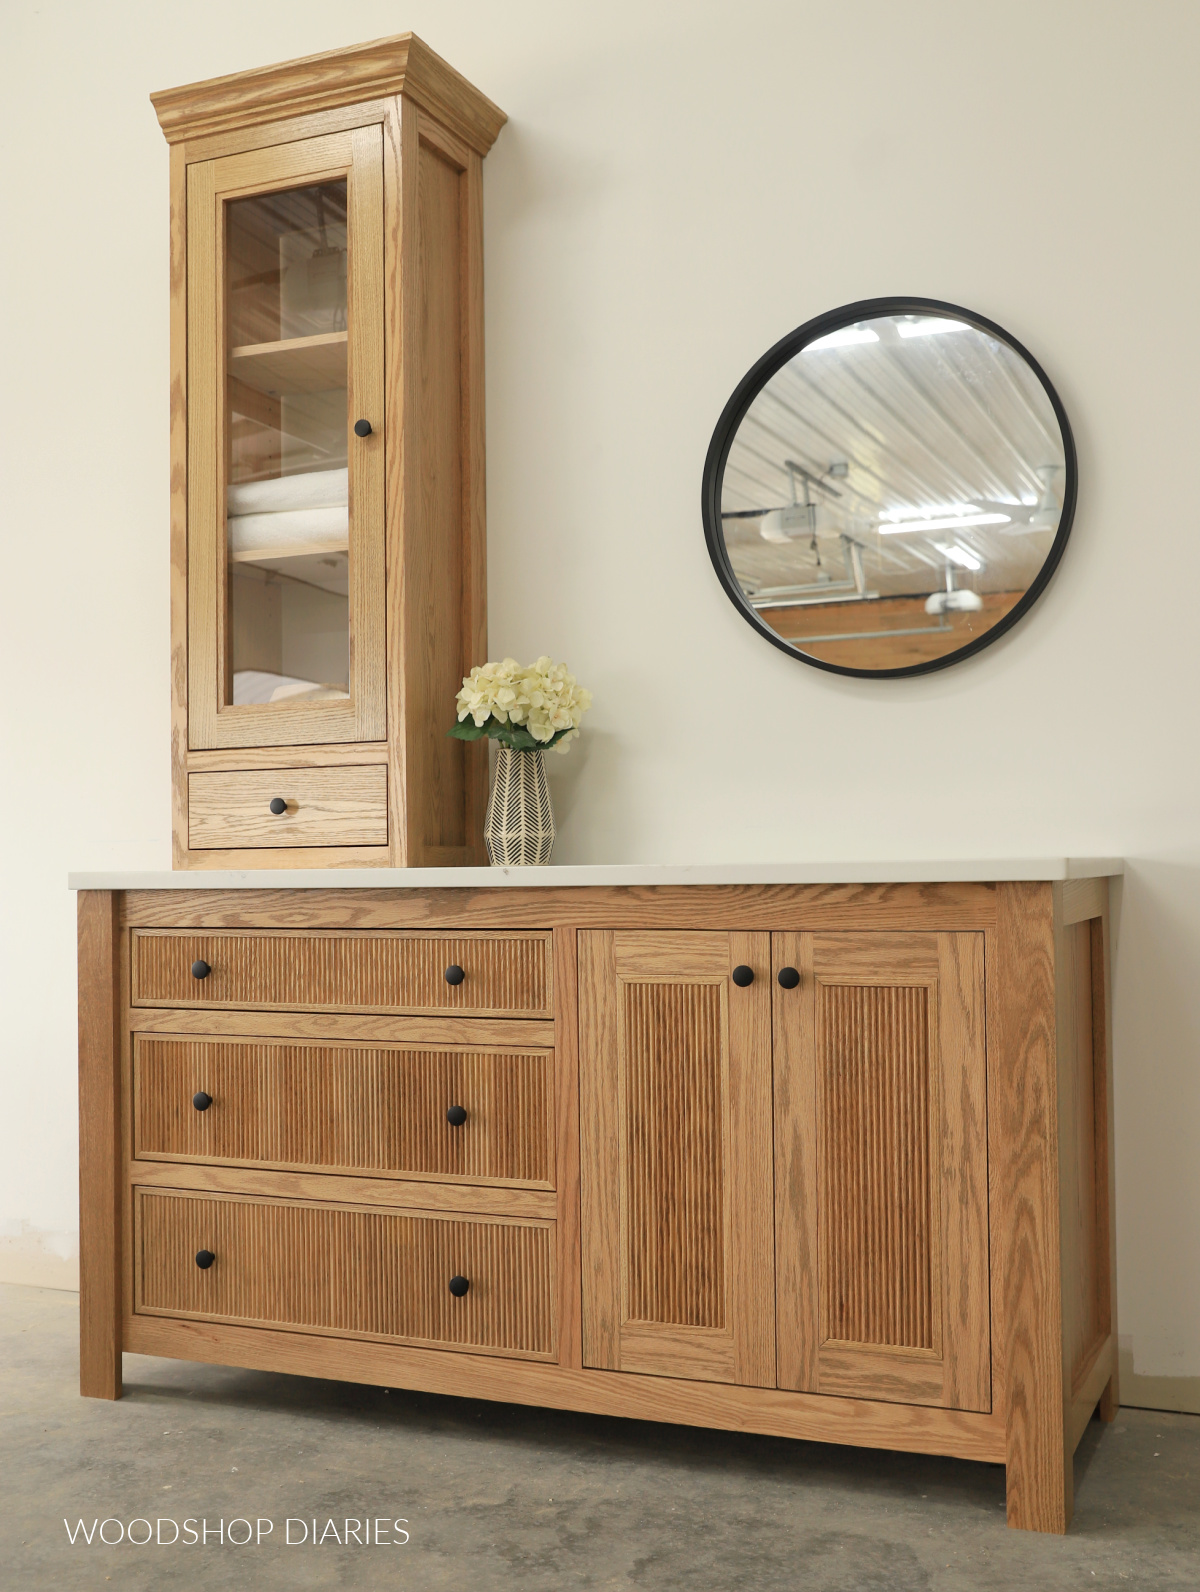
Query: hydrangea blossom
{"x":527,"y":708}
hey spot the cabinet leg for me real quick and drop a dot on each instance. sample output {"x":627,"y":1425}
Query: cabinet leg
{"x":99,"y":1224}
{"x":1040,"y":1487}
{"x":99,"y":1350}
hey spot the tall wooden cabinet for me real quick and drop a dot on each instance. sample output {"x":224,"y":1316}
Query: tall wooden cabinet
{"x":822,"y":1161}
{"x":327,"y":437}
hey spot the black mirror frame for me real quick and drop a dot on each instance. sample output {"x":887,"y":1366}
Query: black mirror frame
{"x":747,"y":391}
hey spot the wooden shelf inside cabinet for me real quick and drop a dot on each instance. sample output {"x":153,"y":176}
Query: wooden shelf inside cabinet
{"x":327,"y":321}
{"x":293,"y":365}
{"x":260,"y":555}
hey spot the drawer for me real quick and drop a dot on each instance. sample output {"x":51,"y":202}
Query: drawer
{"x":324,"y":807}
{"x":344,"y":971}
{"x":373,"y":1109}
{"x":347,"y":1272}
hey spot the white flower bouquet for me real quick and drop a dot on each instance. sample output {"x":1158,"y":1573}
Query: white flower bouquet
{"x":527,"y":710}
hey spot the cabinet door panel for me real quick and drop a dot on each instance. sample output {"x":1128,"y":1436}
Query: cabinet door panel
{"x":676,"y":1155}
{"x":881,"y":1167}
{"x":285,"y":525}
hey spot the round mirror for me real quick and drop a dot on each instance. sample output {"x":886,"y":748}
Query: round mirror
{"x":890,"y":488}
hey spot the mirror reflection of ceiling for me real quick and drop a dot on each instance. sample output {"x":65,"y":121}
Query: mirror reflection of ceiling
{"x":893,"y":491}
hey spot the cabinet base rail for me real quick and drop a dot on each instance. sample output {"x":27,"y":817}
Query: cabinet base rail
{"x":773,"y":1412}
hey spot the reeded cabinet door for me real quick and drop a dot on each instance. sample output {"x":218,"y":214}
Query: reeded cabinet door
{"x":675,"y":1109}
{"x":881,"y":1167}
{"x":285,"y":524}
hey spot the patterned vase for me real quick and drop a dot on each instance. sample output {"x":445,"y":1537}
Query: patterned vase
{"x":518,"y":827}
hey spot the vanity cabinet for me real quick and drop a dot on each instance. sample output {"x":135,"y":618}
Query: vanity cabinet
{"x":327,"y":437}
{"x":822,"y":1161}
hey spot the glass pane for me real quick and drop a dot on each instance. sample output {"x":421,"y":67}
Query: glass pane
{"x":288,"y":490}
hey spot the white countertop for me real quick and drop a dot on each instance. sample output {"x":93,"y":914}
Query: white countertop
{"x":943,"y":871}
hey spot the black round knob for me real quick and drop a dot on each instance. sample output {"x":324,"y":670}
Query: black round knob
{"x":456,"y":1116}
{"x":454,"y":974}
{"x":362,"y":428}
{"x":200,"y":968}
{"x":459,"y":1286}
{"x":278,"y":805}
{"x":204,"y":1258}
{"x":201,"y":1101}
{"x":788,"y":977}
{"x":743,"y":975}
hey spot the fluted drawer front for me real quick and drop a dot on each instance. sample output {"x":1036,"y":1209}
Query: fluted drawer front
{"x":344,"y":971}
{"x":381,"y":1109}
{"x":348,"y":1272}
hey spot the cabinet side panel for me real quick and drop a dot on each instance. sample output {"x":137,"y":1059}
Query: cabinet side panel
{"x":179,"y":447}
{"x":1105,"y":1181}
{"x":474,"y":598}
{"x":434,"y":509}
{"x":99,"y":1148}
{"x":1085,"y":1201}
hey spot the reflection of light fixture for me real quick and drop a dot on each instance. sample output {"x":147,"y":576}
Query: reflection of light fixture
{"x":954,"y":602}
{"x":959,"y":555}
{"x":932,"y":327}
{"x":841,"y":338}
{"x":949,"y":523}
{"x":784,"y":525}
{"x":1046,"y":516}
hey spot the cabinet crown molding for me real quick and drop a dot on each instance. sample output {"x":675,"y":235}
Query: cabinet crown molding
{"x":403,"y":64}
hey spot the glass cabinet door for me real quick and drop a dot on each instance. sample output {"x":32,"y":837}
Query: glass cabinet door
{"x":285,"y":457}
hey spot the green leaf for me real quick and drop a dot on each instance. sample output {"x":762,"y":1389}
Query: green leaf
{"x":468,"y":730}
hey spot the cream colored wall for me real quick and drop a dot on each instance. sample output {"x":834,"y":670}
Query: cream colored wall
{"x":678,"y":187}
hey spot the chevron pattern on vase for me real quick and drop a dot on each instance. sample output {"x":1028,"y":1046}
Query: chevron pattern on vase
{"x":518,"y":827}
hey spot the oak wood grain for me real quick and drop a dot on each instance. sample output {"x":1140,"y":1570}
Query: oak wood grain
{"x":566,"y":1086}
{"x":341,"y":1026}
{"x":339,"y":806}
{"x":357,"y":155}
{"x":468,"y":1199}
{"x":1085,"y":1399}
{"x":1024,"y":1199}
{"x":99,"y":1147}
{"x":1105,"y":1101}
{"x":179,"y":505}
{"x":909,"y":907}
{"x":474,"y":488}
{"x":402,"y":64}
{"x":350,"y":1107}
{"x":222,"y":760}
{"x":675,"y":1160}
{"x":380,"y":971}
{"x":347,"y":1271}
{"x":881,"y":1186}
{"x":858,"y":1422}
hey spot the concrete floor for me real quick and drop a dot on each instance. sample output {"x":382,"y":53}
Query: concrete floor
{"x":498,"y":1497}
